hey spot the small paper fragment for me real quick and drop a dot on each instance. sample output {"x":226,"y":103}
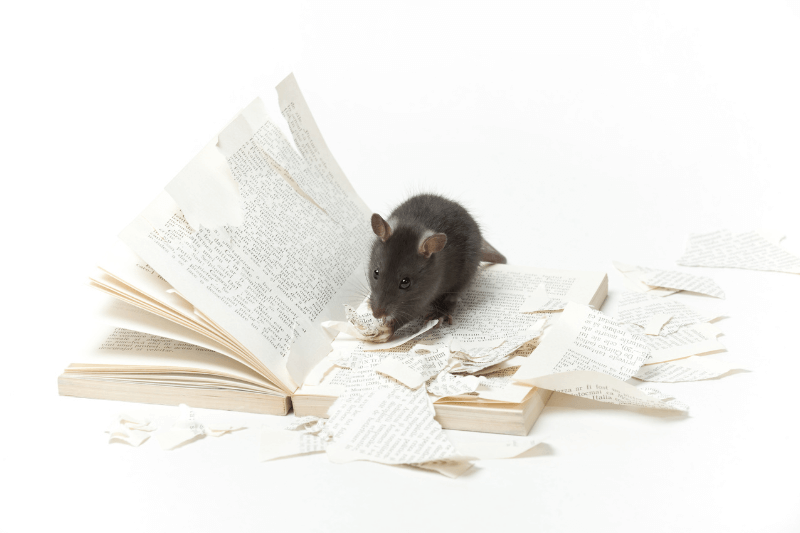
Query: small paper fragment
{"x":655,"y":323}
{"x":539,"y":301}
{"x":633,"y":276}
{"x":693,"y":368}
{"x":636,"y":308}
{"x":478,"y":356}
{"x":605,"y":388}
{"x":751,"y":250}
{"x":496,"y":449}
{"x":688,"y":340}
{"x":361,"y":325}
{"x":284,"y":443}
{"x":451,"y":468}
{"x":130,"y":429}
{"x":188,"y":427}
{"x":682,"y":281}
{"x":304,"y":423}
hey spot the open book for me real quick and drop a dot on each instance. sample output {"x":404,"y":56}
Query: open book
{"x":223,"y":281}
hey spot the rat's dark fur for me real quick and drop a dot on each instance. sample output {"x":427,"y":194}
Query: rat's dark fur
{"x":417,"y":228}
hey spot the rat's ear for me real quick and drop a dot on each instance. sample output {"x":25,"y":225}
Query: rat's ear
{"x":381,"y":228}
{"x":431,"y":244}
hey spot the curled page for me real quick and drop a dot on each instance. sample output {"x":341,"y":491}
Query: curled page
{"x":752,"y":250}
{"x":682,"y":281}
{"x":640,"y":309}
{"x":690,"y":369}
{"x":130,"y":429}
{"x":604,"y":388}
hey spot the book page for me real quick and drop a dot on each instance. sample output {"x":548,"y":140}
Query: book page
{"x":633,"y":275}
{"x":270,"y":282}
{"x":751,"y":250}
{"x":111,"y":350}
{"x":683,"y":281}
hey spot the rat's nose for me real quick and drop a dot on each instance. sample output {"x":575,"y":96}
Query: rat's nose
{"x":379,"y":312}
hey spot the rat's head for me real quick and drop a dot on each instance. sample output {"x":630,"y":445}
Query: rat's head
{"x":404,"y":274}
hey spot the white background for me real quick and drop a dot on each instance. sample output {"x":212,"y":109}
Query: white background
{"x":578,"y":133}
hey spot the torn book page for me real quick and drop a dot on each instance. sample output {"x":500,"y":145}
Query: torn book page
{"x":655,"y":323}
{"x":589,"y":354}
{"x":284,"y":443}
{"x":188,"y":427}
{"x":476,"y":357}
{"x":637,"y":308}
{"x":130,"y":429}
{"x":751,"y":250}
{"x":605,"y":388}
{"x":633,"y":276}
{"x":390,"y":425}
{"x":539,"y":301}
{"x":585,"y":339}
{"x":694,"y":339}
{"x":693,"y":368}
{"x":670,"y":279}
{"x":414,"y":368}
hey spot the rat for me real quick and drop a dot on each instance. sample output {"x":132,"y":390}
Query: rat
{"x":425,"y":254}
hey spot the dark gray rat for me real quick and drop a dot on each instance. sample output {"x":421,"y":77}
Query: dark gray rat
{"x":427,"y":252}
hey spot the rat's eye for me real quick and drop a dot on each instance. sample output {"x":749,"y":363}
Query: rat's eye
{"x":405,"y":283}
{"x":375,"y":273}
